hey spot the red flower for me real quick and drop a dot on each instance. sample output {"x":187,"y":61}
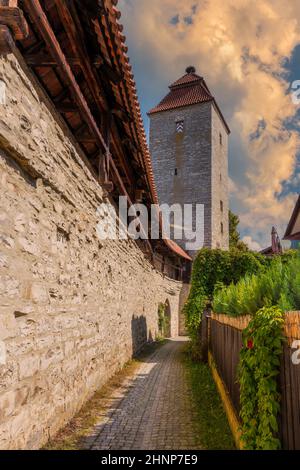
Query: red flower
{"x":250,"y":344}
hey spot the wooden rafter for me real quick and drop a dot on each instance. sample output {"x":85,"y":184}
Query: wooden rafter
{"x":43,"y":26}
{"x":36,"y":12}
{"x":92,"y":86}
{"x":112,"y":50}
{"x":12,"y":17}
{"x":75,"y":34}
{"x":42,"y":60}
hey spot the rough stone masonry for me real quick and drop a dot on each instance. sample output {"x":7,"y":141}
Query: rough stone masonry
{"x":73,"y":309}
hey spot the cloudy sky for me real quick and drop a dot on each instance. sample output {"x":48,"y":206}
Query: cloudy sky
{"x":249,"y":53}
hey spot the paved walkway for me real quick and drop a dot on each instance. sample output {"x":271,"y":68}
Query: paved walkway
{"x":153,"y":410}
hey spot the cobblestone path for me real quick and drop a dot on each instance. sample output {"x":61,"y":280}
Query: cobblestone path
{"x":153,"y":410}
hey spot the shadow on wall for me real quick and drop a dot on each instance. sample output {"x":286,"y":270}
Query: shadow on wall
{"x":139,"y":334}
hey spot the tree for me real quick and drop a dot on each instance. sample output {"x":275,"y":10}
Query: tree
{"x":234,"y":235}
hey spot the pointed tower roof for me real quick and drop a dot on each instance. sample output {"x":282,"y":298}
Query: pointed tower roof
{"x":188,"y":90}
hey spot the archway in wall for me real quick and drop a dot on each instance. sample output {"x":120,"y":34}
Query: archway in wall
{"x":167,"y":319}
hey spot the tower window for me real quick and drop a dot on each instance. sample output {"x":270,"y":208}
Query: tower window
{"x":222,"y":228}
{"x":221,"y":139}
{"x":176,"y":172}
{"x":179,"y":127}
{"x":221,"y":206}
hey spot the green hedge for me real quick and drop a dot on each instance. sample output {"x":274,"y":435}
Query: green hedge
{"x":212,"y":270}
{"x":277,"y":285}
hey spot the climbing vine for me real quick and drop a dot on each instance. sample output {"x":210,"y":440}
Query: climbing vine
{"x":213,"y":269}
{"x":259,"y":370}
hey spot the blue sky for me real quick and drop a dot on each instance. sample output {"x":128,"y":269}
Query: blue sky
{"x":249,"y":53}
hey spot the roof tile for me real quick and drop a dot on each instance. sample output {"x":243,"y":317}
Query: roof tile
{"x":189,"y":89}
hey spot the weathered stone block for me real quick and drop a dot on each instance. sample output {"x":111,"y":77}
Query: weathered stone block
{"x":3,"y":260}
{"x":53,"y":356}
{"x":8,"y":325}
{"x":29,"y":366}
{"x":7,"y":241}
{"x":38,"y":293}
{"x":29,"y":246}
{"x":12,"y":400}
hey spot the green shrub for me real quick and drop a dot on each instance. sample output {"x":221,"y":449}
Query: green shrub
{"x":212,"y":270}
{"x":258,"y":375}
{"x":276,"y":285}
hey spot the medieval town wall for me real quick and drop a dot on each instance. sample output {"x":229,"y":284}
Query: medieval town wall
{"x":73,"y":309}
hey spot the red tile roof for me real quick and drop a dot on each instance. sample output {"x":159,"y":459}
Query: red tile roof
{"x":186,"y":91}
{"x":187,"y":79}
{"x":177,"y":249}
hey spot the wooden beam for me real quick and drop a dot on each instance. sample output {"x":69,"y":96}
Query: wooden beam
{"x":121,"y":113}
{"x":133,"y":124}
{"x":111,"y":74}
{"x":94,"y":7}
{"x":79,"y":132}
{"x":40,"y":20}
{"x":120,"y":154}
{"x":42,"y":24}
{"x":86,"y":140}
{"x":67,"y":108}
{"x":12,"y":16}
{"x":112,"y":50}
{"x":9,"y":3}
{"x":75,"y":34}
{"x":6,"y":40}
{"x":37,"y":60}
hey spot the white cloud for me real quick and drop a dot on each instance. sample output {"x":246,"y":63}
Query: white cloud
{"x":253,"y":245}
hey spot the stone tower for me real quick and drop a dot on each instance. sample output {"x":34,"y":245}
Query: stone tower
{"x":189,"y":148}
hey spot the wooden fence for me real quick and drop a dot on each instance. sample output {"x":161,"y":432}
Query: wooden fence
{"x":225,"y":343}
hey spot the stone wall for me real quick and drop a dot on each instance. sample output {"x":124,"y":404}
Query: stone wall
{"x":73,"y":309}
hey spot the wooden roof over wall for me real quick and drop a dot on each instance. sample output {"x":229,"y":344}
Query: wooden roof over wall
{"x":77,"y":50}
{"x":291,"y":232}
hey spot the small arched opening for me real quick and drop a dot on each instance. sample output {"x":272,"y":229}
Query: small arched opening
{"x":164,"y":319}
